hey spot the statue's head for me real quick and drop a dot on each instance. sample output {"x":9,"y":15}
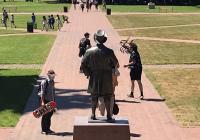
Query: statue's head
{"x":100,"y":37}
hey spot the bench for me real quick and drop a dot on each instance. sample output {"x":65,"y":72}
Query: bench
{"x":10,"y":9}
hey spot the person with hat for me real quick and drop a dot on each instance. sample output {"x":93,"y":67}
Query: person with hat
{"x":47,"y":94}
{"x":135,"y":66}
{"x":97,"y":64}
{"x":84,"y":44}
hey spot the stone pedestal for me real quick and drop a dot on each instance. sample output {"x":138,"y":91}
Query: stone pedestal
{"x":101,"y":130}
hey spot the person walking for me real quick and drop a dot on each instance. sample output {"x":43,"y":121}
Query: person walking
{"x":97,"y":64}
{"x":59,"y":22}
{"x":88,"y":5}
{"x":104,"y":4}
{"x":84,"y":44}
{"x":49,"y":22}
{"x":135,"y":66}
{"x":91,"y":3}
{"x":5,"y":18}
{"x":33,"y":18}
{"x":74,"y":2}
{"x":44,"y":23}
{"x":96,"y":3}
{"x":12,"y":21}
{"x":82,"y":5}
{"x":47,"y":94}
{"x":52,"y":21}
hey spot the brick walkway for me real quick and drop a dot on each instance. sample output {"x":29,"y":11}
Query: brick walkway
{"x":149,"y":119}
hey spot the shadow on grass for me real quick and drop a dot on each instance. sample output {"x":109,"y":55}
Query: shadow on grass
{"x":15,"y":91}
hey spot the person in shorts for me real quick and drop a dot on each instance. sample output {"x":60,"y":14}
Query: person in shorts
{"x":135,"y":66}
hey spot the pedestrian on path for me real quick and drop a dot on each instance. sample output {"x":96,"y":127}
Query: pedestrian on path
{"x":49,"y":22}
{"x":44,"y":23}
{"x":82,"y":5}
{"x":12,"y":21}
{"x":47,"y":94}
{"x":97,"y":64}
{"x":96,"y":3}
{"x":84,"y":44}
{"x":104,"y":4}
{"x":52,"y":21}
{"x":135,"y":66}
{"x":59,"y":22}
{"x":74,"y":2}
{"x":91,"y":3}
{"x":88,"y":5}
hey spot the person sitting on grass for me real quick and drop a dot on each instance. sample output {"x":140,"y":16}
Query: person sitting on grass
{"x":65,"y":19}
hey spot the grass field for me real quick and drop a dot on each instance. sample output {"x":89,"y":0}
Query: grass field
{"x":10,"y":31}
{"x":133,"y":21}
{"x":158,"y":52}
{"x":14,"y":94}
{"x":44,"y":6}
{"x":29,"y":49}
{"x":188,"y":32}
{"x":144,"y":8}
{"x":181,"y":89}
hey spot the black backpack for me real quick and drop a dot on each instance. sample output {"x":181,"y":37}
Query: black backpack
{"x":82,"y":47}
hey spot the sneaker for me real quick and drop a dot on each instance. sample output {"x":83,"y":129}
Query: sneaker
{"x":141,"y":97}
{"x":50,"y":132}
{"x":43,"y":132}
{"x":130,"y":95}
{"x":110,"y":119}
{"x":93,"y":117}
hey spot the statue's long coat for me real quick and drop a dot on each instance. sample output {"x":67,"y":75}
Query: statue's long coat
{"x":98,"y":63}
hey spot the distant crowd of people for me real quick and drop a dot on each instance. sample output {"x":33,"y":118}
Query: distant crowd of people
{"x":47,"y":23}
{"x":86,"y":4}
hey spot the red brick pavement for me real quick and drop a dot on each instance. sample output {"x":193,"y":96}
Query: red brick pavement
{"x":149,"y":119}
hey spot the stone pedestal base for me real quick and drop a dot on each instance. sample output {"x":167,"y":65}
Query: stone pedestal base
{"x":119,"y":130}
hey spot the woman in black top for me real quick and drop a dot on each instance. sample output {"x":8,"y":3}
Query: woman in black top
{"x":135,"y":66}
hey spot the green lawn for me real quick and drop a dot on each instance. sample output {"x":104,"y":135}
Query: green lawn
{"x":43,"y":6}
{"x":188,"y":32}
{"x":158,"y":52}
{"x":181,"y":89}
{"x":10,"y":31}
{"x":14,"y":94}
{"x":144,"y":8}
{"x":133,"y":21}
{"x":29,"y":49}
